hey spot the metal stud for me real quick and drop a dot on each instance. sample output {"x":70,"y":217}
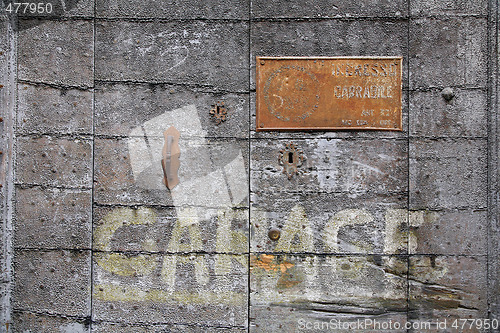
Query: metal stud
{"x":274,"y":234}
{"x":447,"y":94}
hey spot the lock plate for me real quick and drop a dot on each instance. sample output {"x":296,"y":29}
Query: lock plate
{"x":329,"y":93}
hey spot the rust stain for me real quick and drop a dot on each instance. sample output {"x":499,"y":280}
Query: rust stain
{"x":288,"y":280}
{"x":329,"y":93}
{"x":267,"y":262}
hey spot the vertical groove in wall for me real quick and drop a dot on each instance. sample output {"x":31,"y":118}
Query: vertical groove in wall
{"x":492,"y":105}
{"x":407,"y":63}
{"x":249,"y":157}
{"x":93,"y":172}
{"x":7,"y":181}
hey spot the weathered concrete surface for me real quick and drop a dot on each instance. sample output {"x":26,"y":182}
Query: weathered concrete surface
{"x":43,"y":109}
{"x":494,"y":174}
{"x":208,"y":53}
{"x":329,"y":223}
{"x":448,"y":173}
{"x":8,"y":66}
{"x":122,"y":107}
{"x":462,"y":56}
{"x":443,"y":8}
{"x":460,"y":232}
{"x":60,"y":162}
{"x":171,"y":289}
{"x":161,"y":230}
{"x":203,"y":168}
{"x":56,"y":52}
{"x":53,"y":218}
{"x":447,"y":287}
{"x":228,"y":9}
{"x":54,"y":282}
{"x":377,"y":225}
{"x":326,"y":9}
{"x":144,"y":328}
{"x":328,"y":37}
{"x":464,"y":116}
{"x":289,"y":289}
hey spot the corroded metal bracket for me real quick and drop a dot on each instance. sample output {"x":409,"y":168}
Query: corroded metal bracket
{"x":218,"y":112}
{"x":170,"y":161}
{"x":291,"y":159}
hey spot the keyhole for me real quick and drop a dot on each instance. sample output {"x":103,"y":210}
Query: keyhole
{"x":290,"y":157}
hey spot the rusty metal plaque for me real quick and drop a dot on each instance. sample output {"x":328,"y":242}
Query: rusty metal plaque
{"x":329,"y":93}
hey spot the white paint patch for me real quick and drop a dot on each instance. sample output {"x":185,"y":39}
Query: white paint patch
{"x":219,"y":189}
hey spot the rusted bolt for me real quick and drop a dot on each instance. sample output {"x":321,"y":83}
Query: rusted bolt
{"x":274,"y":234}
{"x":447,"y":94}
{"x":261,"y":125}
{"x":262,"y":62}
{"x":1,"y":119}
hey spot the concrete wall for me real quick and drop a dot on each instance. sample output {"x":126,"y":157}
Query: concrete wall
{"x":392,"y":227}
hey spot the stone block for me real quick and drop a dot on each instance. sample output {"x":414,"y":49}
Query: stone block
{"x":448,"y":52}
{"x":128,"y":171}
{"x":54,"y":161}
{"x":328,"y":38}
{"x":188,"y":289}
{"x":348,"y":135}
{"x":328,"y":223}
{"x":288,"y":291}
{"x":152,"y":230}
{"x":54,"y":282}
{"x":40,"y":323}
{"x":43,"y":109}
{"x":213,"y":55}
{"x":332,"y":165}
{"x":191,"y":9}
{"x":463,"y":116}
{"x":121,"y":108}
{"x":445,"y":232}
{"x":448,"y":174}
{"x":141,"y":328}
{"x":448,"y":7}
{"x":53,"y":218}
{"x":326,"y":9}
{"x":56,"y":52}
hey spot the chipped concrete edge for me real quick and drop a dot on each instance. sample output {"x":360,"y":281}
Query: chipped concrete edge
{"x":9,"y":98}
